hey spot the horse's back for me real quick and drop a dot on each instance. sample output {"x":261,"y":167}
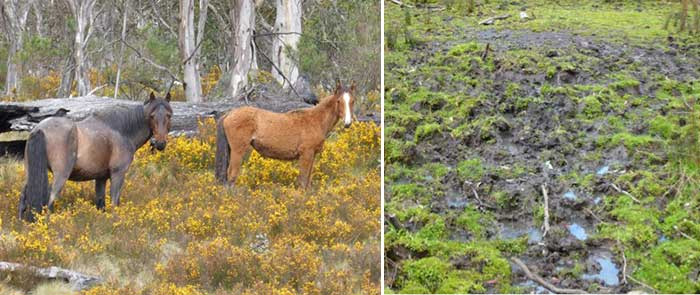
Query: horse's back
{"x":274,"y":135}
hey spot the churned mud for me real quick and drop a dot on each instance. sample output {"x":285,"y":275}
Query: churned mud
{"x":482,"y":123}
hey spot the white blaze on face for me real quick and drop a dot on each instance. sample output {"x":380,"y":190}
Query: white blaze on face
{"x":348,"y":116}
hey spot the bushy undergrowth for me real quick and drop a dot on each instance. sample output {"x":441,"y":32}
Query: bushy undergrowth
{"x":180,"y":232}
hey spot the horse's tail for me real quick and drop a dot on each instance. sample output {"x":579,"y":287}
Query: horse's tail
{"x":35,"y":194}
{"x":223,"y":152}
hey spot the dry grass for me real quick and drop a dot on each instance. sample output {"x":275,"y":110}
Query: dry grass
{"x":179,"y":232}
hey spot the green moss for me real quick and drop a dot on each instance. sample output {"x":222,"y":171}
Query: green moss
{"x":410,"y":191}
{"x":669,"y":266}
{"x":427,"y":272}
{"x":630,"y":141}
{"x":592,"y":107}
{"x":396,"y":150}
{"x":470,"y":170}
{"x":463,"y":49}
{"x":413,"y":287}
{"x":426,"y":130}
{"x":474,"y":222}
{"x":436,"y":171}
{"x":664,"y":127}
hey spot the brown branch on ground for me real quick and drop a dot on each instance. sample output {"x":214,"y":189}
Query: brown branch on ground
{"x":682,"y":233}
{"x":624,"y":192}
{"x":545,"y":224}
{"x":78,"y":281}
{"x":544,"y":283}
{"x":642,"y":284}
{"x":591,"y":213}
{"x":486,"y":51}
{"x":624,"y":263}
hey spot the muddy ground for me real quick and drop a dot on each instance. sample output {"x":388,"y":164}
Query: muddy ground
{"x":512,"y":116}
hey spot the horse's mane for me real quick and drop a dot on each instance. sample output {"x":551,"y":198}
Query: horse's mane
{"x":323,"y":101}
{"x":126,"y":119}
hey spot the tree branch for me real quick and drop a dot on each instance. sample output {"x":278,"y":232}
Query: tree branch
{"x":542,"y":282}
{"x":277,"y":68}
{"x":162,"y":68}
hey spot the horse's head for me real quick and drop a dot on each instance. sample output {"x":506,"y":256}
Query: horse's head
{"x":158,"y":113}
{"x":344,"y":102}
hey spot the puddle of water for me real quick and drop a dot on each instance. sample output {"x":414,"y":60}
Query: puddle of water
{"x":534,"y":236}
{"x":456,"y":200}
{"x":577,"y":231}
{"x":662,"y":239}
{"x":509,"y":232}
{"x":608,"y":272}
{"x":597,"y":200}
{"x":570,"y":195}
{"x":603,"y":170}
{"x":537,"y":288}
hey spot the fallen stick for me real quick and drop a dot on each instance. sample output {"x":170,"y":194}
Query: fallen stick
{"x":401,"y":3}
{"x":491,"y":20}
{"x":486,"y":52}
{"x":545,"y":224}
{"x":619,"y":190}
{"x":642,"y":284}
{"x":682,"y":233}
{"x":78,"y":281}
{"x":544,"y":283}
{"x":624,"y":263}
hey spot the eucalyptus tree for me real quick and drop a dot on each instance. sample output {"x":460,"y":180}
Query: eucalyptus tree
{"x":15,"y":12}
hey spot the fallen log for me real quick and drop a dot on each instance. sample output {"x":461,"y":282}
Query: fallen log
{"x":493,"y":19}
{"x":78,"y":281}
{"x":23,"y":116}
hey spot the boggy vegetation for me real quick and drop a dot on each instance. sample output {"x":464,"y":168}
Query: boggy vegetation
{"x":591,"y":100}
{"x":179,"y":232}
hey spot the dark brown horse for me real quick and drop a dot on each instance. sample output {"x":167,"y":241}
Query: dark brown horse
{"x":298,"y":134}
{"x":99,"y":147}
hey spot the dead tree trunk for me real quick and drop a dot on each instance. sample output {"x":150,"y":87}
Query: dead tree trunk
{"x":84,"y":14}
{"x":243,"y":24}
{"x":284,"y":45}
{"x":189,"y":51}
{"x":16,"y":12}
{"x":121,"y":49}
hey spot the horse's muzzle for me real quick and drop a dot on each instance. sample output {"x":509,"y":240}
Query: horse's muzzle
{"x":347,"y":125}
{"x":157,"y":144}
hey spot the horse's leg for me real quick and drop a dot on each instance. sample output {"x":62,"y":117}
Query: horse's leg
{"x":306,"y":164}
{"x":100,"y":186}
{"x":235,"y":160}
{"x":116,"y":182}
{"x":62,"y":161}
{"x":119,"y":164}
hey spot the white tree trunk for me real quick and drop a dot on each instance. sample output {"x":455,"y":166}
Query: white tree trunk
{"x":284,"y":46}
{"x":121,"y":50}
{"x":83,"y":11}
{"x":16,"y":12}
{"x":243,"y":22}
{"x":188,"y":51}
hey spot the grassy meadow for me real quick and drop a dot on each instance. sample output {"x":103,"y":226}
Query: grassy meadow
{"x":178,"y":232}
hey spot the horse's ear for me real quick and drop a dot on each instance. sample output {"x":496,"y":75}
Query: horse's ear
{"x":167,"y":97}
{"x":338,"y":86}
{"x":151,"y":98}
{"x":352,"y":87}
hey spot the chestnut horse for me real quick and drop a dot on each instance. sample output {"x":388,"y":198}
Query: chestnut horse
{"x":295,"y":135}
{"x":99,"y":147}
